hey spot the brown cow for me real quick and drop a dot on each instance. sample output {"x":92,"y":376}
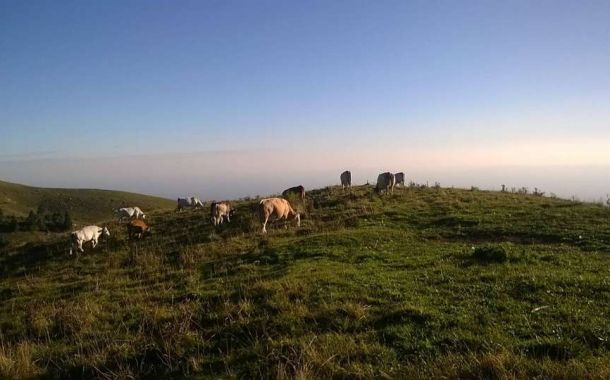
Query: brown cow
{"x":138,"y":229}
{"x":299,"y":190}
{"x":278,"y":209}
{"x":221,"y":210}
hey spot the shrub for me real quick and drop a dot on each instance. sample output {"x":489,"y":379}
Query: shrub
{"x":490,"y":254}
{"x":538,"y":192}
{"x":67,"y":222}
{"x":3,"y":241}
{"x":31,"y":222}
{"x":13,"y":225}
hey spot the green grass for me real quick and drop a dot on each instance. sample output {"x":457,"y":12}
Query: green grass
{"x":85,"y":205}
{"x":368,"y":287}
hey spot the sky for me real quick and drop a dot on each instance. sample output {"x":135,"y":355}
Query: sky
{"x":232,"y":98}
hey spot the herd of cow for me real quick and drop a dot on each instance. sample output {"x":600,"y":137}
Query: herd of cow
{"x":267,"y":209}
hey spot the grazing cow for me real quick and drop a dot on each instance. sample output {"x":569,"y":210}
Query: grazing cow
{"x":385,"y":181}
{"x":278,"y":209}
{"x":86,"y":234}
{"x":138,"y":229}
{"x":221,"y":210}
{"x":400,"y":179}
{"x":299,"y":190}
{"x":129,"y":213}
{"x":189,"y":202}
{"x":346,"y":179}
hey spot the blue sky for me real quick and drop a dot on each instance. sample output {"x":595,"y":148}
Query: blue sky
{"x":342,"y":80}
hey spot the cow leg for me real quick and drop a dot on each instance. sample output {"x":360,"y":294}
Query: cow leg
{"x":80,"y":246}
{"x":265,"y":225}
{"x":93,"y":243}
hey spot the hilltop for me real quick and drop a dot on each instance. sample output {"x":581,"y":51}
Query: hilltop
{"x":424,"y":283}
{"x":85,"y":205}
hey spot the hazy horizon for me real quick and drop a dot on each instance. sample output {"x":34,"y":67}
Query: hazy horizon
{"x":228,"y":99}
{"x":231,"y":175}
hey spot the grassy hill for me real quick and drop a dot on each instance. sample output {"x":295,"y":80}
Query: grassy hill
{"x":425,"y":283}
{"x":85,"y":205}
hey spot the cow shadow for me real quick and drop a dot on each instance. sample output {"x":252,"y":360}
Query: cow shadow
{"x":30,"y":256}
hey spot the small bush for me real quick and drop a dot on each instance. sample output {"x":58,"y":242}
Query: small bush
{"x":490,"y":254}
{"x":351,"y":221}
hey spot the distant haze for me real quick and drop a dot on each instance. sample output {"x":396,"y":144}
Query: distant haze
{"x":229,"y":175}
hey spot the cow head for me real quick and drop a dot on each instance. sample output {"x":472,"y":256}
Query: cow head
{"x":105,"y":232}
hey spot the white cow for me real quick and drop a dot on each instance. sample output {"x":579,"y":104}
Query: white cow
{"x":189,"y":202}
{"x":129,"y":213}
{"x":86,"y":234}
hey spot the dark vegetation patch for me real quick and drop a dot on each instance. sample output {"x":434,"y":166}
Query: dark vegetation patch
{"x":490,"y":254}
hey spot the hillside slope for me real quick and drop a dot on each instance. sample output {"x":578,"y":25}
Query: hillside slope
{"x":85,"y":205}
{"x":397,"y":286}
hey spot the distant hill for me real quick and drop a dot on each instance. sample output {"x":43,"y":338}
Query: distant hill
{"x":85,"y":205}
